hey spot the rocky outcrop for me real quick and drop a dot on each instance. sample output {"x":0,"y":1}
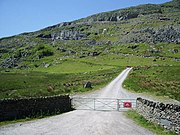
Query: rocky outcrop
{"x":14,"y":59}
{"x":169,"y":34}
{"x":59,"y":25}
{"x":124,"y":14}
{"x":68,"y":35}
{"x":64,"y":24}
{"x":44,"y":36}
{"x":10,"y":62}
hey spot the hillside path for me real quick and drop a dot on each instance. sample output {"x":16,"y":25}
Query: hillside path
{"x":85,"y":122}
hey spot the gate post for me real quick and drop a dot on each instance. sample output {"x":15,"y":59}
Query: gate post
{"x":94,"y":104}
{"x":118,"y":105}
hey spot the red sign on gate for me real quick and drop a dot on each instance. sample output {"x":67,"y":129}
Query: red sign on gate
{"x":127,"y":105}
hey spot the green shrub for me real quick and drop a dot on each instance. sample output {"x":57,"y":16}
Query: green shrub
{"x":44,"y":50}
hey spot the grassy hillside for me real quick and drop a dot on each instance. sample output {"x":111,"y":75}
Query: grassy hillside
{"x":155,"y":28}
{"x":20,"y":84}
{"x":160,"y":81}
{"x":70,"y":75}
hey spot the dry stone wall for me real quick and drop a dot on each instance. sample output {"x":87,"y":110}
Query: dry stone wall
{"x":166,"y":115}
{"x":31,"y":107}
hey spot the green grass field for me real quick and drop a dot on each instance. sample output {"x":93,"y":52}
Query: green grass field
{"x":20,"y":84}
{"x":74,"y":66}
{"x":161,"y":81}
{"x":118,"y":60}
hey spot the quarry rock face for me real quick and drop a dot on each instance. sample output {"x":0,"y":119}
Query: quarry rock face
{"x":170,"y":34}
{"x":68,"y":35}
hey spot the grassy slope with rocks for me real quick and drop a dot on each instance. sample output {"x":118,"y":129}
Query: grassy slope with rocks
{"x":61,"y":58}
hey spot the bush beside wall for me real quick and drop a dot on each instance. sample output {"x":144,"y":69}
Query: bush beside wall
{"x":31,"y":107}
{"x":166,"y":115}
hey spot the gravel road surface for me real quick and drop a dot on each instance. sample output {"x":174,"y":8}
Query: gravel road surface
{"x":85,"y":122}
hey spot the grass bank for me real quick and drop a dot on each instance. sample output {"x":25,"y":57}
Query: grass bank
{"x":3,"y":123}
{"x":158,"y":80}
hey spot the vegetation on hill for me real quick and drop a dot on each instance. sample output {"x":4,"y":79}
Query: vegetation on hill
{"x":21,"y":84}
{"x":92,"y":49}
{"x":161,"y":81}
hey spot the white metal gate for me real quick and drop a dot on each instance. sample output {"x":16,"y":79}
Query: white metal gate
{"x":103,"y":104}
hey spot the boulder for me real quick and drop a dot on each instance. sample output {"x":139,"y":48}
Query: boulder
{"x":46,"y":65}
{"x":88,"y":85}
